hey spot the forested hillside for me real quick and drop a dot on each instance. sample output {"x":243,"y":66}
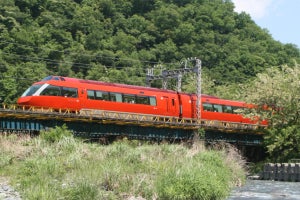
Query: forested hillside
{"x":117,"y":40}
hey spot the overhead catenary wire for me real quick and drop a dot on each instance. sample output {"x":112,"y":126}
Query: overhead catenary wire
{"x":67,"y":52}
{"x":77,"y":53}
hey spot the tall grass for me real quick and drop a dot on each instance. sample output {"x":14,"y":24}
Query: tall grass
{"x":67,"y":168}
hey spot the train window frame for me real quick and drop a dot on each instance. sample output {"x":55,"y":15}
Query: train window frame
{"x":105,"y":96}
{"x":217,"y":108}
{"x":129,"y":98}
{"x":173,"y":102}
{"x":152,"y":101}
{"x":121,"y":97}
{"x":227,"y":109}
{"x":69,"y":92}
{"x":32,"y":90}
{"x":208,"y":107}
{"x":142,"y":100}
{"x":101,"y":95}
{"x":90,"y":94}
{"x":116,"y":97}
{"x":50,"y":88}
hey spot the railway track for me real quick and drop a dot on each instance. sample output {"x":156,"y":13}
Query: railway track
{"x":99,"y":123}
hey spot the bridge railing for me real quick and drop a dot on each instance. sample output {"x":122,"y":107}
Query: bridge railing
{"x":104,"y":116}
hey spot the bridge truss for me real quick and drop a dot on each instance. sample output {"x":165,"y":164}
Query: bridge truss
{"x":100,"y":123}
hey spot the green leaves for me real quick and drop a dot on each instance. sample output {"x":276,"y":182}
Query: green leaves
{"x":55,"y":134}
{"x":71,"y":37}
{"x":17,"y":78}
{"x":283,"y":144}
{"x":277,"y":93}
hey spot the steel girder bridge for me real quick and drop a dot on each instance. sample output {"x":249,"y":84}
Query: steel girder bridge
{"x":95,"y":124}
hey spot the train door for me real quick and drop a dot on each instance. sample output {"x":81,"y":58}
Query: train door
{"x":83,"y":96}
{"x":71,"y":97}
{"x":186,"y":105}
{"x":170,"y":104}
{"x":166,"y":103}
{"x":180,"y":106}
{"x":173,"y":107}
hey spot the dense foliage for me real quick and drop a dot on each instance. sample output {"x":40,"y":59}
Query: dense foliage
{"x":117,"y":40}
{"x":277,"y":93}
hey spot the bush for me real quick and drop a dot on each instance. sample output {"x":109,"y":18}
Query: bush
{"x":203,"y":177}
{"x":67,"y":168}
{"x":55,"y":134}
{"x":83,"y":191}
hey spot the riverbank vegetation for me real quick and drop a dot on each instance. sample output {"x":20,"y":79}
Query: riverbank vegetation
{"x":276,"y":92}
{"x":57,"y":166}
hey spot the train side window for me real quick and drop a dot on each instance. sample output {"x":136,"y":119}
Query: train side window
{"x":69,"y":92}
{"x":128,"y":98}
{"x":227,"y":109}
{"x":152,"y":101}
{"x":51,"y":90}
{"x":217,"y":108}
{"x":116,"y":97}
{"x":142,"y":100}
{"x":91,"y":94}
{"x":173,"y":102}
{"x":30,"y":91}
{"x":105,"y":96}
{"x":208,"y":107}
{"x":100,"y":95}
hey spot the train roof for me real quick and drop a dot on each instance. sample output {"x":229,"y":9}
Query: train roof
{"x":93,"y":82}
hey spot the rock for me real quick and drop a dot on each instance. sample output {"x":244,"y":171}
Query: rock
{"x":7,"y":192}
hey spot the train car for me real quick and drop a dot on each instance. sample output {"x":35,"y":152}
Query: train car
{"x":226,"y":110}
{"x":75,"y":94}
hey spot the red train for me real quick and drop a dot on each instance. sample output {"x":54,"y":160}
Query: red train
{"x":75,"y":94}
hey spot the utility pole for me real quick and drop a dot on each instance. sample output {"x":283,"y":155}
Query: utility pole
{"x":177,"y":74}
{"x":199,"y":70}
{"x":169,"y":74}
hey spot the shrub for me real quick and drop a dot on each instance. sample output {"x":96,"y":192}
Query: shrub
{"x":203,"y":177}
{"x":60,"y":167}
{"x":55,"y":134}
{"x":83,"y":191}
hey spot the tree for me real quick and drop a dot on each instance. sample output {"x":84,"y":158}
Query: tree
{"x":18,"y":78}
{"x":276,"y":92}
{"x":166,"y":51}
{"x":98,"y":72}
{"x":72,"y":36}
{"x":283,"y":144}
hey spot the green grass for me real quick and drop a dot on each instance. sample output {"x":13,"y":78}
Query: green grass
{"x":63,"y":167}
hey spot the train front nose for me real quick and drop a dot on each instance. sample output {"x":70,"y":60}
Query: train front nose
{"x":24,"y":100}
